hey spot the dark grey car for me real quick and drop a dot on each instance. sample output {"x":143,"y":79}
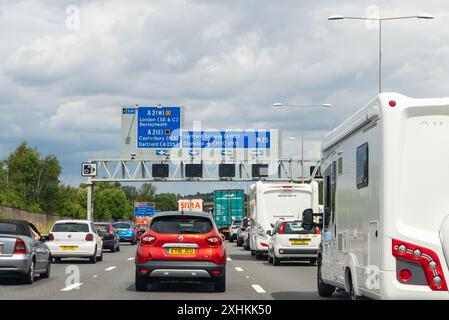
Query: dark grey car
{"x":23,"y":251}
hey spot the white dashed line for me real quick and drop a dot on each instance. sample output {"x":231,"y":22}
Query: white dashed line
{"x":130,"y":259}
{"x":94,"y":276}
{"x":110,"y":268}
{"x":72,"y":286}
{"x":229,"y":259}
{"x":238,"y":269}
{"x":258,"y":288}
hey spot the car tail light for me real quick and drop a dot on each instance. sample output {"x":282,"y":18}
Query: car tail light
{"x":143,"y":271}
{"x":317,"y":230}
{"x":111,"y":231}
{"x":263,"y":244}
{"x":147,"y":240}
{"x":131,"y":230}
{"x":281,"y":228}
{"x":214,"y":241}
{"x":20,"y":247}
{"x":51,"y":237}
{"x":89,"y":237}
{"x":428,"y":260}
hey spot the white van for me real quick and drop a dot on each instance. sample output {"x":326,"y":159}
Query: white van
{"x":270,"y":202}
{"x":386,"y":203}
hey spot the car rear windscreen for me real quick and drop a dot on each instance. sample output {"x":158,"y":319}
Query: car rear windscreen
{"x":70,"y":227}
{"x":102,"y":228}
{"x":121,"y":226}
{"x":183,"y":225}
{"x":12,"y":228}
{"x":294,"y":227}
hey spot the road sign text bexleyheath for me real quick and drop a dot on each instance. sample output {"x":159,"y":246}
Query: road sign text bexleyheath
{"x":158,"y":127}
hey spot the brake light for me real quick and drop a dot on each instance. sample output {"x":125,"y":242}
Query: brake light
{"x":51,"y":237}
{"x":392,"y":103}
{"x":216,"y":272}
{"x":147,"y":240}
{"x":317,"y":230}
{"x":287,"y":187}
{"x":263,"y":244}
{"x":20,"y":247}
{"x":89,"y":237}
{"x":281,"y":228}
{"x":214,"y":241}
{"x":425,"y":257}
{"x":111,"y":231}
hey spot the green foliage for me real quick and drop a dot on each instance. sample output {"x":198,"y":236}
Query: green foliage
{"x":30,"y":182}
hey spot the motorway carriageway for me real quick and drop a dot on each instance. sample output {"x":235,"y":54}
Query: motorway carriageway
{"x":247,"y":279}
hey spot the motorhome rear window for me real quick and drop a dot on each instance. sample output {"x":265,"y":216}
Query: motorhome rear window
{"x":362,"y":166}
{"x":181,"y":225}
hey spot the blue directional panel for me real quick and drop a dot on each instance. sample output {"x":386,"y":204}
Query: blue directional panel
{"x":226,"y":139}
{"x":158,"y":127}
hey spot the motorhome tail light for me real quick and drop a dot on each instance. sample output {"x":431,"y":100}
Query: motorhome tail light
{"x":20,"y":247}
{"x":425,"y":257}
{"x":281,"y":228}
{"x":317,"y":230}
{"x":89,"y":237}
{"x":147,"y":240}
{"x":392,"y":103}
{"x":214,"y":241}
{"x":405,"y":275}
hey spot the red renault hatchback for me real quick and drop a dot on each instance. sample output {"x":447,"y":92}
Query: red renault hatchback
{"x":181,"y":246}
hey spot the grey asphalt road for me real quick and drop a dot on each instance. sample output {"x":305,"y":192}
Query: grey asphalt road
{"x":247,"y":278}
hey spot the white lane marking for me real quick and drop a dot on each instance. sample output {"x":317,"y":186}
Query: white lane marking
{"x":229,"y":259}
{"x":238,"y":269}
{"x":95,"y":276}
{"x":130,"y":259}
{"x":258,"y":288}
{"x":72,"y":286}
{"x":247,"y":277}
{"x":110,"y":268}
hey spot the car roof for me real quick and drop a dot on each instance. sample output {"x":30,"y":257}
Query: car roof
{"x":73,"y":221}
{"x":183,"y":213}
{"x":105,"y":223}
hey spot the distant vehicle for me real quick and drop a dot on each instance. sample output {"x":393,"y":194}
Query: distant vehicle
{"x":246,"y":236}
{"x":75,"y":239}
{"x":108,"y":234}
{"x":228,"y":207}
{"x":241,"y":232}
{"x":181,"y":246}
{"x":233,"y":229}
{"x":126,"y":232}
{"x":270,"y":202}
{"x":23,"y":251}
{"x":290,"y":241}
{"x":386,"y":228}
{"x":140,"y":229}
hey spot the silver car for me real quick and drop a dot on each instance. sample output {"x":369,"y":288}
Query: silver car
{"x":23,"y":251}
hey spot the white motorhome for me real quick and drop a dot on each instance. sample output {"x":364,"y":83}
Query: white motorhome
{"x":270,"y":202}
{"x":386,"y":203}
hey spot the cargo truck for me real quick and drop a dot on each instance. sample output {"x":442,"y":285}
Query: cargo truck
{"x":228,"y":207}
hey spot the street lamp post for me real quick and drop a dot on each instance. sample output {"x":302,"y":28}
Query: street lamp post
{"x":380,"y":20}
{"x":325,"y":105}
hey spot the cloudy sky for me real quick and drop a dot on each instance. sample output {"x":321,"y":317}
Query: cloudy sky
{"x":64,"y":76}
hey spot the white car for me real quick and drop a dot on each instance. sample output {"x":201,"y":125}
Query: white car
{"x":290,"y":241}
{"x":75,"y":239}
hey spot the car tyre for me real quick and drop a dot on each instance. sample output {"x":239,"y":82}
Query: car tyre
{"x":28,"y":278}
{"x":220,"y":284}
{"x":253,"y":252}
{"x":324,"y":290}
{"x":100,"y":258}
{"x":141,"y":283}
{"x":57,"y":260}
{"x":93,"y":259}
{"x":276,"y":261}
{"x":118,"y":247}
{"x":270,"y":259}
{"x":114,"y":248}
{"x":46,"y":274}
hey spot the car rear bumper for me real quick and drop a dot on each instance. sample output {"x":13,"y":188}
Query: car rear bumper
{"x":296,"y":253}
{"x":180,"y":270}
{"x":108,"y":244}
{"x":84,"y":250}
{"x":15,"y":263}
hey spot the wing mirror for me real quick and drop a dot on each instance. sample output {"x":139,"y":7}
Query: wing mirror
{"x":269,"y":233}
{"x":307,"y":219}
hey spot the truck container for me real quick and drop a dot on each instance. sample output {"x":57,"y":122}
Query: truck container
{"x":228,"y":206}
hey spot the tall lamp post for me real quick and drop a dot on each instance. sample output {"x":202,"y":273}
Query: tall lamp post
{"x":380,"y":20}
{"x":325,"y":105}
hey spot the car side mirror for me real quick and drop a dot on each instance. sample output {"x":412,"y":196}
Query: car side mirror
{"x":272,"y":225}
{"x":307,"y":219}
{"x":269,"y":233}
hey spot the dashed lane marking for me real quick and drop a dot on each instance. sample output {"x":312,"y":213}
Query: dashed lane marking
{"x":72,"y":286}
{"x":110,"y":268}
{"x":238,"y":269}
{"x":258,"y":288}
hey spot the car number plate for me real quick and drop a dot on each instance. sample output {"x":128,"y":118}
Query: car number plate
{"x":122,"y":232}
{"x":181,"y":251}
{"x":299,"y":242}
{"x":68,"y":248}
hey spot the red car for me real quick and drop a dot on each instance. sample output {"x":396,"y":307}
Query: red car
{"x":181,"y":246}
